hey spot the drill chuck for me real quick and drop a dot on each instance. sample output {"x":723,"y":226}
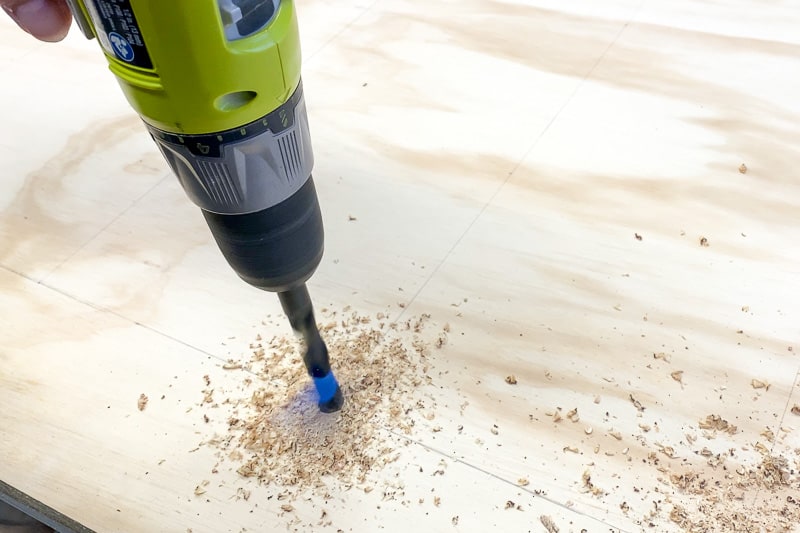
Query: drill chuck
{"x":275,"y":249}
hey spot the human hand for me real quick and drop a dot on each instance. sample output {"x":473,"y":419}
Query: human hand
{"x":47,"y":20}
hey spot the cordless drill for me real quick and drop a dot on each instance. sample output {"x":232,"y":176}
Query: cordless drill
{"x":217,"y":84}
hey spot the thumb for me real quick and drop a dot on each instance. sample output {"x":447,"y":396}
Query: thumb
{"x":47,"y":20}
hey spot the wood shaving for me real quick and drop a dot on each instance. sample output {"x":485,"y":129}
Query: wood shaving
{"x":142,"y":402}
{"x":523,"y":482}
{"x":511,"y":380}
{"x":703,"y":242}
{"x":276,"y":433}
{"x":677,"y":376}
{"x":636,"y":403}
{"x":717,"y":423}
{"x":758,"y":384}
{"x":548,"y":524}
{"x":796,"y":409}
{"x":669,"y":451}
{"x":742,"y":168}
{"x":589,"y":486}
{"x":454,"y":520}
{"x":572,"y":415}
{"x":200,"y":489}
{"x":510,"y":504}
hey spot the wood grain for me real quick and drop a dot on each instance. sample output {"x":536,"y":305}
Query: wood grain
{"x":488,"y":163}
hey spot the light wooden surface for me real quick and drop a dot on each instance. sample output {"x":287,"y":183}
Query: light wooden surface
{"x":499,"y":159}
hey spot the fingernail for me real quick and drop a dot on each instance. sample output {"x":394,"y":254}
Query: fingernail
{"x":43,"y":19}
{"x":13,"y":16}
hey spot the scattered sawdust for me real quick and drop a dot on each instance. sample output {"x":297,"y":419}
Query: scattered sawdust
{"x":758,"y":384}
{"x":704,"y":242}
{"x":511,"y":380}
{"x":142,"y":402}
{"x":275,"y":433}
{"x":724,"y":499}
{"x":637,"y":236}
{"x":743,"y":169}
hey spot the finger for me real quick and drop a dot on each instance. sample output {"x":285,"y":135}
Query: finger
{"x":47,"y":20}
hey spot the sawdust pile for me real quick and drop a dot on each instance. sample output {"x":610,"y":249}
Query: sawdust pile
{"x":737,"y":498}
{"x":277,"y":435}
{"x":748,"y":488}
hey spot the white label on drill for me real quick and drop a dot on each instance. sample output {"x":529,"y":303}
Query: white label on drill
{"x":118,"y":31}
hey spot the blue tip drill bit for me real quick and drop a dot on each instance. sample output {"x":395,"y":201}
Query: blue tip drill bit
{"x":296,"y":304}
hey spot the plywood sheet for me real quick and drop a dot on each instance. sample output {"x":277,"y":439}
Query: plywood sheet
{"x":558,"y":187}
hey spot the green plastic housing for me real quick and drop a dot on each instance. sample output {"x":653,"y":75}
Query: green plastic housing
{"x":200,"y":81}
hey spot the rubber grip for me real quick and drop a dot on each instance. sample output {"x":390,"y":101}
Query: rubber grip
{"x":275,"y":249}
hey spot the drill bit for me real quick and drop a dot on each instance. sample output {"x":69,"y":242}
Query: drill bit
{"x":297,"y":305}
